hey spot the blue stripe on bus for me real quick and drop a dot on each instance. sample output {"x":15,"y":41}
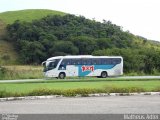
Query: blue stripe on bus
{"x":85,"y":73}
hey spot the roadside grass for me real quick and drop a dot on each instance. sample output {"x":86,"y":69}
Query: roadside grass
{"x":13,"y":72}
{"x":133,"y":73}
{"x":141,"y":73}
{"x":73,"y":88}
{"x":22,"y":72}
{"x":28,"y":87}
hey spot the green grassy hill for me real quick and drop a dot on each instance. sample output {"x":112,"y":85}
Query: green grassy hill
{"x":7,"y":53}
{"x":26,"y":15}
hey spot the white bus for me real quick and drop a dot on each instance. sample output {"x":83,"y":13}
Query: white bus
{"x":83,"y":65}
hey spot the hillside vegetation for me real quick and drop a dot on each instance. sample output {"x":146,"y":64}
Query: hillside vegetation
{"x":69,"y":34}
{"x":8,"y":54}
{"x":39,"y":34}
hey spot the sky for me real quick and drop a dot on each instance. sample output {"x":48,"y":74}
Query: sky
{"x":140,"y":17}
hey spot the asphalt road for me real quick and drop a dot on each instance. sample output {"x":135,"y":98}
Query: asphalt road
{"x":85,"y":105}
{"x":42,"y":80}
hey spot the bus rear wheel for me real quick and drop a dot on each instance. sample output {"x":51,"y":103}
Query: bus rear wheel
{"x":104,"y":74}
{"x":61,"y":75}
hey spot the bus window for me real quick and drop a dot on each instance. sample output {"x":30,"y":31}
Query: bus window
{"x":76,"y":62}
{"x":103,"y":61}
{"x":52,"y":64}
{"x":109,"y":61}
{"x":62,"y":67}
{"x":66,"y":62}
{"x":116,"y":60}
{"x":96,"y":61}
{"x":89,"y":61}
{"x":106,"y":61}
{"x":86,"y":61}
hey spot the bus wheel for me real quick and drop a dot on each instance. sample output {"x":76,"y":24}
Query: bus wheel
{"x":61,"y":75}
{"x":104,"y":74}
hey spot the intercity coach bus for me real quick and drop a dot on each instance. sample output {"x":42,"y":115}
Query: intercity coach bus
{"x":83,"y":65}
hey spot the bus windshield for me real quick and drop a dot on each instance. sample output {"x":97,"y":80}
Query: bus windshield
{"x":49,"y":65}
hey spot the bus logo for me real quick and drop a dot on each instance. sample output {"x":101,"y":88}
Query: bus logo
{"x":87,"y":68}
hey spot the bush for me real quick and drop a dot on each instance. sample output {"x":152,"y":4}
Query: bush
{"x":45,"y":91}
{"x":157,"y":89}
{"x":112,"y":89}
{"x":40,"y":92}
{"x":136,"y":89}
{"x":69,"y":92}
{"x":81,"y":91}
{"x":3,"y":94}
{"x":73,"y":92}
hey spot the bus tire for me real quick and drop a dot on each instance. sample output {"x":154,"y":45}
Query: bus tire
{"x":62,"y":75}
{"x":104,"y":74}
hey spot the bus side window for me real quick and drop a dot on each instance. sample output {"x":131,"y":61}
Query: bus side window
{"x":66,"y":62}
{"x":109,"y":61}
{"x":79,"y":61}
{"x":116,"y":60}
{"x":96,"y":61}
{"x":76,"y":61}
{"x":62,"y":67}
{"x":106,"y":61}
{"x":113,"y":61}
{"x":63,"y":62}
{"x":84,"y":62}
{"x":103,"y":61}
{"x":89,"y":61}
{"x":73,"y":61}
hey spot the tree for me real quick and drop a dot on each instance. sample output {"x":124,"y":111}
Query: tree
{"x":104,"y":43}
{"x":86,"y":45}
{"x":66,"y":47}
{"x":31,"y":52}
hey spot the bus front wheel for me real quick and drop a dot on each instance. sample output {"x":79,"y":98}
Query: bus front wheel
{"x":104,"y":74}
{"x":62,"y":75}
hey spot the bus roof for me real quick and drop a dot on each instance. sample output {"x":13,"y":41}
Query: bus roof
{"x":81,"y":56}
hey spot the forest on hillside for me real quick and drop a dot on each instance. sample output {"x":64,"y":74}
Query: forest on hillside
{"x":75,"y":35}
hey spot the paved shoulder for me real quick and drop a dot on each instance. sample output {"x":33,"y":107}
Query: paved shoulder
{"x":85,"y":105}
